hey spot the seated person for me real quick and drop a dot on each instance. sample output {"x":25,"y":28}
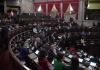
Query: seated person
{"x":75,"y":63}
{"x":23,"y":53}
{"x":43,"y":61}
{"x":59,"y":63}
{"x":51,"y":54}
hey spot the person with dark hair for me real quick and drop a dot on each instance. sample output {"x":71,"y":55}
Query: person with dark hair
{"x":75,"y":63}
{"x":23,"y":53}
{"x":59,"y":62}
{"x":51,"y":53}
{"x":43,"y":61}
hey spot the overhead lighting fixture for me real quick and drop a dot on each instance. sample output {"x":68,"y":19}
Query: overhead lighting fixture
{"x":54,"y":8}
{"x":86,"y":17}
{"x":70,"y":9}
{"x":12,"y":13}
{"x":88,"y":5}
{"x":39,"y":9}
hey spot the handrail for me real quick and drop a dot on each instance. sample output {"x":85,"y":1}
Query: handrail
{"x":13,"y":55}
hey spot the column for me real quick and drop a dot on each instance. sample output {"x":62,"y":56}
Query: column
{"x":5,"y":6}
{"x":27,"y":6}
{"x":81,"y":11}
{"x":61,"y":8}
{"x":47,"y":7}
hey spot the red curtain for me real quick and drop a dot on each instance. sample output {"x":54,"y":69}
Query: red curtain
{"x":57,"y":4}
{"x":71,"y":0}
{"x":75,"y":6}
{"x":43,"y":5}
{"x":36,"y":5}
{"x":65,"y":6}
{"x":74,"y":3}
{"x":50,"y":5}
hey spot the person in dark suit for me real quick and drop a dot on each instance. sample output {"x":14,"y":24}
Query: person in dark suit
{"x":74,"y":63}
{"x":51,"y":53}
{"x":43,"y":61}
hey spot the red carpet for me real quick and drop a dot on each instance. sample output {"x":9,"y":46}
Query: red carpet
{"x":5,"y":61}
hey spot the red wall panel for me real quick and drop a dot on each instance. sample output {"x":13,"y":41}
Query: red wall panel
{"x":43,"y":5}
{"x":74,"y":3}
{"x":50,"y":5}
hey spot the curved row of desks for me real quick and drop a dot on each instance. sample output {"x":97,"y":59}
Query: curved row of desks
{"x":15,"y":42}
{"x":13,"y":54}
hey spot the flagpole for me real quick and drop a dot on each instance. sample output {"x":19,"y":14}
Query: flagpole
{"x":61,"y":8}
{"x":33,"y":6}
{"x":5,"y":6}
{"x":46,"y":7}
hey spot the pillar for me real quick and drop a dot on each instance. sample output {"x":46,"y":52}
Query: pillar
{"x":27,"y":6}
{"x":61,"y":8}
{"x":81,"y":11}
{"x":5,"y":6}
{"x":47,"y":8}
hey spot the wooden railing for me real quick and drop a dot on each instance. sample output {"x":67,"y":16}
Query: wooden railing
{"x":16,"y":62}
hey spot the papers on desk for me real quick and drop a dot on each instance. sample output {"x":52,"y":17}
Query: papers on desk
{"x":67,"y":59}
{"x":99,"y":59}
{"x":85,"y":54}
{"x":64,"y":52}
{"x":82,"y":66}
{"x":91,"y":57}
{"x":82,"y":51}
{"x":78,"y":53}
{"x":93,"y":64}
{"x":59,"y":49}
{"x":34,"y":30}
{"x":32,"y":56}
{"x":37,"y":51}
{"x":32,"y":48}
{"x":23,"y":62}
{"x":59,"y":37}
{"x":70,"y":56}
{"x":36,"y":60}
{"x":87,"y":59}
{"x":80,"y":60}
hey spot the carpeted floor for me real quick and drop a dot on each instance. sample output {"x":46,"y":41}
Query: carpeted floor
{"x":5,"y":61}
